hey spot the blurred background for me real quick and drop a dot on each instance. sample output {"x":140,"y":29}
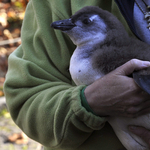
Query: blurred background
{"x":11,"y":17}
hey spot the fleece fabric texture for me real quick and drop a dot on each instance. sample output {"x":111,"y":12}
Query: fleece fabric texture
{"x":41,"y":96}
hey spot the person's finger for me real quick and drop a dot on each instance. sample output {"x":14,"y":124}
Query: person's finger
{"x":132,"y":65}
{"x":138,"y":110}
{"x":141,"y":132}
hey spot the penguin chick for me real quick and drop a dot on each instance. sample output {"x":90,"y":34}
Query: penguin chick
{"x":103,"y":45}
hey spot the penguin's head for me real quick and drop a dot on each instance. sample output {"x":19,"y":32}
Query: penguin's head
{"x":90,"y":24}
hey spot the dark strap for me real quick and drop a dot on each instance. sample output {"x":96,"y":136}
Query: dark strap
{"x":126,"y":8}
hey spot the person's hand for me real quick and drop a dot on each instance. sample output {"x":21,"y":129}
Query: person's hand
{"x":141,"y":132}
{"x":116,"y":94}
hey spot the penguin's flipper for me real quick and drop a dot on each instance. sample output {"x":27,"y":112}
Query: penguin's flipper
{"x":142,"y":78}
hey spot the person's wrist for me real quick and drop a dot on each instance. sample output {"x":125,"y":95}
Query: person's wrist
{"x":95,"y":95}
{"x":84,"y":102}
{"x":90,"y":98}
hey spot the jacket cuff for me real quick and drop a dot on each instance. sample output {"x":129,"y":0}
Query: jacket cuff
{"x":85,"y":103}
{"x":93,"y":121}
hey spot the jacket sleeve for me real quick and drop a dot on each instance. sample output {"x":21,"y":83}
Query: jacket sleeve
{"x":40,"y":95}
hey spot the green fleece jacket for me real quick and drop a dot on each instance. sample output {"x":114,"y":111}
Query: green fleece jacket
{"x":41,"y":96}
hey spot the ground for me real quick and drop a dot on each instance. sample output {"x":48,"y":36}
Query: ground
{"x":8,"y":128}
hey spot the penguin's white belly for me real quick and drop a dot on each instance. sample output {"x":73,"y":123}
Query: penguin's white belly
{"x":82,"y":71}
{"x":128,"y":139}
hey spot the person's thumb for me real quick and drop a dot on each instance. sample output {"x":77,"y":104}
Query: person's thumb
{"x":131,"y":66}
{"x":141,"y":132}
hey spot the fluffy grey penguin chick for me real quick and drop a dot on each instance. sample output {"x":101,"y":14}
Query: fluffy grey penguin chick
{"x":103,"y":45}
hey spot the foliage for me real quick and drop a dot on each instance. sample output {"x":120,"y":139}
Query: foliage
{"x":4,"y":112}
{"x":11,"y":17}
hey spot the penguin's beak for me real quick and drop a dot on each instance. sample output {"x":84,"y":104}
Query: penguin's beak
{"x":63,"y":25}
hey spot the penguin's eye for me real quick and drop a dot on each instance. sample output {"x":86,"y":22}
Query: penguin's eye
{"x":86,"y":21}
